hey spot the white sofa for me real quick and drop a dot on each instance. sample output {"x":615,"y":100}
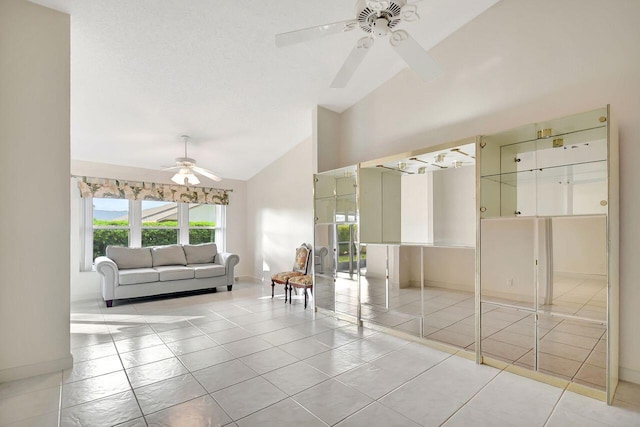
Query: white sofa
{"x":137,"y":272}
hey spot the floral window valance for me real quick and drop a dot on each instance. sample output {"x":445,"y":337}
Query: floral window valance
{"x":120,"y":189}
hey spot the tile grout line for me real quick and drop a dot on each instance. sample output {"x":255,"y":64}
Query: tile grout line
{"x":564,"y":390}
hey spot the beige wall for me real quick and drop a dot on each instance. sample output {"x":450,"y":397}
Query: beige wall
{"x":279,"y":214}
{"x":34,"y":183}
{"x":521,"y":61}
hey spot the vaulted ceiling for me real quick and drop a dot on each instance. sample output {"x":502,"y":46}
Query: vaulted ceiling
{"x":145,"y":72}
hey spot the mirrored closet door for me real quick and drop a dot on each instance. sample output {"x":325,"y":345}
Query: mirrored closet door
{"x":417,"y":222}
{"x":548,"y":249}
{"x":336,"y":246}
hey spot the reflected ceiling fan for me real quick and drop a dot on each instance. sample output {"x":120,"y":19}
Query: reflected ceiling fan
{"x":186,"y":169}
{"x":376,"y":18}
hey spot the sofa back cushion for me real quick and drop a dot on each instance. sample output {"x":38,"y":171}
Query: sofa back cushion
{"x":130,"y":257}
{"x":168,"y":255}
{"x":200,"y":254}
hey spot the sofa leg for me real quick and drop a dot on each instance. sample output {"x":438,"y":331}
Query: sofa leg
{"x":109,"y":302}
{"x":229,"y":287}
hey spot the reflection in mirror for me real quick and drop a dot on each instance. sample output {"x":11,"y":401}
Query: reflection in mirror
{"x":508,"y":335}
{"x":449,"y":298}
{"x":324,"y":265}
{"x":418,"y":218}
{"x":507,"y":271}
{"x":427,"y":198}
{"x":335,"y":240}
{"x":578,"y":260}
{"x":573,"y":349}
{"x":393,"y":303}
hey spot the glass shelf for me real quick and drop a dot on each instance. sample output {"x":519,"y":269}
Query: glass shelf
{"x":586,"y":171}
{"x":571,"y":137}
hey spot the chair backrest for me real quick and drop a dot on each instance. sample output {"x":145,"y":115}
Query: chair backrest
{"x":303,"y":259}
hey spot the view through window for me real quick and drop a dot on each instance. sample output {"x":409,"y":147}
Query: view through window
{"x":110,"y":224}
{"x":151,"y":223}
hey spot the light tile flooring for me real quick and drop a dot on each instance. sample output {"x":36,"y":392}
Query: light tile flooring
{"x":571,"y":349}
{"x":242,"y":359}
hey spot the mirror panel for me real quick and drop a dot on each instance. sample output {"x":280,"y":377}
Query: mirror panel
{"x":325,"y":266}
{"x":508,"y":335}
{"x":507,"y":271}
{"x":573,"y":350}
{"x":577,"y":260}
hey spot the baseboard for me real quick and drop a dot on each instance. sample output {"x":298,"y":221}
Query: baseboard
{"x":629,"y":375}
{"x":41,"y":368}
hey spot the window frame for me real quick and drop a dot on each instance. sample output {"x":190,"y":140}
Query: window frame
{"x":135,"y":228}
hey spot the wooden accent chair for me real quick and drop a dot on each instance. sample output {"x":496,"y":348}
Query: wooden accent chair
{"x":300,"y":268}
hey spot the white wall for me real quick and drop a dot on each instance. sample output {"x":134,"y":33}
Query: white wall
{"x":34,"y":248}
{"x":520,"y":62}
{"x":279,"y":212}
{"x":85,"y":285}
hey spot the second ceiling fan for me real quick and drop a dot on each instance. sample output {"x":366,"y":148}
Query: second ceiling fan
{"x":377,"y":18}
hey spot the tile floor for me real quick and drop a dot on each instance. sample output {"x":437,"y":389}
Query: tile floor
{"x":242,"y":359}
{"x":571,"y":349}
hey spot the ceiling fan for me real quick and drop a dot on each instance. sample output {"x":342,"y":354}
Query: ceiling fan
{"x":186,"y":167}
{"x":376,"y":18}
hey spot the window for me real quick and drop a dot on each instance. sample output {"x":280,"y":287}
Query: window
{"x":110,"y":224}
{"x":159,"y":223}
{"x":137,"y":223}
{"x":202,"y":223}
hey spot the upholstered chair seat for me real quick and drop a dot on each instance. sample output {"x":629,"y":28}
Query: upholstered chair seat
{"x":301,"y":282}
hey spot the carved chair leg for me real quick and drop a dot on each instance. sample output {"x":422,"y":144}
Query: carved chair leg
{"x":305,"y":298}
{"x":273,"y":285}
{"x":286,"y":286}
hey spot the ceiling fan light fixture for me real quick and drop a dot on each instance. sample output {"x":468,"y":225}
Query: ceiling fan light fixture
{"x":182,"y":178}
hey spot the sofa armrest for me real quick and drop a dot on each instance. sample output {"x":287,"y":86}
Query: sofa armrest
{"x":229,"y":260}
{"x":108,"y":271}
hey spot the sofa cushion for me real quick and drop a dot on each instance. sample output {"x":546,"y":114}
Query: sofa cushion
{"x":207,"y":270}
{"x":200,"y":254}
{"x":130,"y":257}
{"x":168,"y":255}
{"x":139,"y":275}
{"x":174,"y":272}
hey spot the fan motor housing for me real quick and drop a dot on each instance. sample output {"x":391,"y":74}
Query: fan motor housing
{"x":368,"y":18}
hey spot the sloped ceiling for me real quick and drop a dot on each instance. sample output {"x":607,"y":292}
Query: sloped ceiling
{"x":145,"y":72}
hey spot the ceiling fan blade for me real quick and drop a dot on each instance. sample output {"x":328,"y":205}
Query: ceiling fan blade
{"x":414,"y":55}
{"x":206,"y":173}
{"x":313,"y":33}
{"x":352,"y":63}
{"x":169,"y":168}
